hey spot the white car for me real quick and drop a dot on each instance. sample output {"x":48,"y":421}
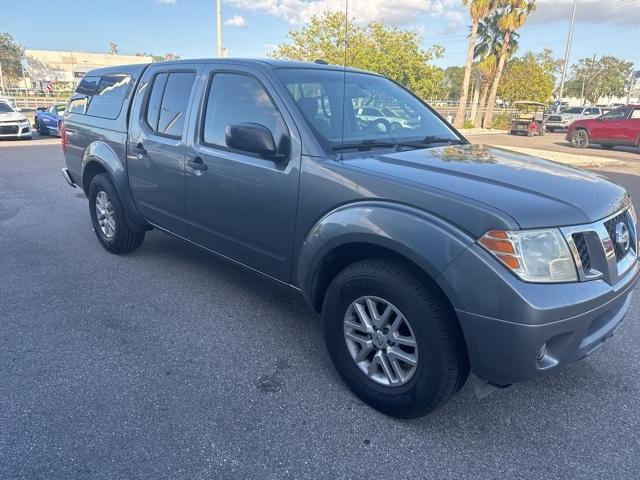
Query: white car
{"x":13,"y":123}
{"x":371,"y":114}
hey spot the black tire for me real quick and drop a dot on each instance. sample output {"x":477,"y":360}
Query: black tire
{"x":442,"y":367}
{"x":124,"y":239}
{"x":579,"y":139}
{"x":607,"y":146}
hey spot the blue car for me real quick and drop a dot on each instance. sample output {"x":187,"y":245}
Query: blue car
{"x":47,"y":120}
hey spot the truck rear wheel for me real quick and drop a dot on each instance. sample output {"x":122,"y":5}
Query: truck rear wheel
{"x":392,"y":339}
{"x":109,"y":218}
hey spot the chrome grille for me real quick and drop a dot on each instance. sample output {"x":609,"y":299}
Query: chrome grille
{"x":555,"y":118}
{"x":610,"y":225}
{"x":583,"y":251}
{"x":596,"y":251}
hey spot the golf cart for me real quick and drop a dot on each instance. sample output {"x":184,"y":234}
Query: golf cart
{"x":528,"y":119}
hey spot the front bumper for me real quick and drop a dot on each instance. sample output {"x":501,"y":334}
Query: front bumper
{"x":558,"y":125}
{"x":506,"y":321}
{"x":15,"y":130}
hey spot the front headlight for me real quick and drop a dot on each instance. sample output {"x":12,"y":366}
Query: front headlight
{"x":540,"y":256}
{"x":24,"y":122}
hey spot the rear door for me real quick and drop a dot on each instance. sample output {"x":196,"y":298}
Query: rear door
{"x":630,"y":127}
{"x":155,"y":150}
{"x":240,"y":204}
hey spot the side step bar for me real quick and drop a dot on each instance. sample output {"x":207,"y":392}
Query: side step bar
{"x":67,"y":177}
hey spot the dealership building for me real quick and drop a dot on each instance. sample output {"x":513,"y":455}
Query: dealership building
{"x":61,"y":71}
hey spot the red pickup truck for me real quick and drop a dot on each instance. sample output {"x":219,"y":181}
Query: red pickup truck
{"x":620,"y":127}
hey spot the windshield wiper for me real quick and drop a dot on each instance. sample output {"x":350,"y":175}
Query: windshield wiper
{"x":368,"y":145}
{"x":429,"y":139}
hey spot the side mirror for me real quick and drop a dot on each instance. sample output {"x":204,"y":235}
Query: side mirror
{"x":251,"y":137}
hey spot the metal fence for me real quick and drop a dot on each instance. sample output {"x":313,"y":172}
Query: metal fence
{"x":33,"y":102}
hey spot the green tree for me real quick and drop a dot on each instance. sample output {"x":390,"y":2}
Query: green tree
{"x":594,"y":78}
{"x":389,"y":51}
{"x":513,"y":15}
{"x":530,"y":77}
{"x":11,"y":54}
{"x":487,"y":51}
{"x":479,"y":10}
{"x":452,"y":82}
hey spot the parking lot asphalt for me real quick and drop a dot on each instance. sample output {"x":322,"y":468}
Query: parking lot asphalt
{"x":555,"y":141}
{"x":169,"y":363}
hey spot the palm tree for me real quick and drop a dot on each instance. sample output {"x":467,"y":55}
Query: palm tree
{"x":487,"y":52}
{"x":479,"y":9}
{"x":513,"y":15}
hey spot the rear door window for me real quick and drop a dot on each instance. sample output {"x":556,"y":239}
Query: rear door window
{"x":155,"y":100}
{"x":82,"y":96}
{"x":168,"y":103}
{"x":108,"y":96}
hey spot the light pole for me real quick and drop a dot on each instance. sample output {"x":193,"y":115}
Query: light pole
{"x":219,"y":26}
{"x":632,"y":81}
{"x":566,"y":56}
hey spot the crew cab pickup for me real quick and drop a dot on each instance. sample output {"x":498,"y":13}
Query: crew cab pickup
{"x":566,"y":117}
{"x":427,"y":257}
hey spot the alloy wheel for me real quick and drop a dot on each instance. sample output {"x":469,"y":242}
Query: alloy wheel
{"x":105,"y":214}
{"x":381,"y":341}
{"x":579,"y":139}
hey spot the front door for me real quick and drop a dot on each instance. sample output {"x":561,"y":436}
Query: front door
{"x":156,"y":150}
{"x":608,"y":129}
{"x":239,"y":204}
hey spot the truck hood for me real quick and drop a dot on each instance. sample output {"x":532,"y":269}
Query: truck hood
{"x":12,"y":117}
{"x":534,"y":192}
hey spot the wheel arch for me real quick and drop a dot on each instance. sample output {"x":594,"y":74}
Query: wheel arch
{"x":422,"y":242}
{"x":98,"y":158}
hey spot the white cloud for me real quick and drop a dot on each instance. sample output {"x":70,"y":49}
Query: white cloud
{"x":396,"y":12}
{"x":167,"y":2}
{"x":236,"y":21}
{"x":616,"y":12}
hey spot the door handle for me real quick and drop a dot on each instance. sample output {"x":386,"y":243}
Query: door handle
{"x":140,"y":150}
{"x":198,"y":165}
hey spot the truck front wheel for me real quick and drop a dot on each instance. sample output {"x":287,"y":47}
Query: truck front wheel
{"x":109,"y":218}
{"x":393,"y":339}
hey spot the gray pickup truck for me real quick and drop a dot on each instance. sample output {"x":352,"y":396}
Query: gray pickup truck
{"x":428,"y":257}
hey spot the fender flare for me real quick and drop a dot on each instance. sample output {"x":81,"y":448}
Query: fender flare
{"x":425,"y":239}
{"x":101,"y":153}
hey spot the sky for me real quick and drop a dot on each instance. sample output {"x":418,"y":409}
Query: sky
{"x":253,"y":27}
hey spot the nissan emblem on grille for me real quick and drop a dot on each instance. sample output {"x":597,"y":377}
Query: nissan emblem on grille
{"x":622,"y":236}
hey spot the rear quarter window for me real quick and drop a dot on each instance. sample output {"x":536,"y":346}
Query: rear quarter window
{"x":100,"y":96}
{"x":108,"y":97}
{"x":82,"y":96}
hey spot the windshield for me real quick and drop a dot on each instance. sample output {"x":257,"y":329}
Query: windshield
{"x":573,"y":110}
{"x":319,"y":95}
{"x":5,"y":108}
{"x":60,"y":109}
